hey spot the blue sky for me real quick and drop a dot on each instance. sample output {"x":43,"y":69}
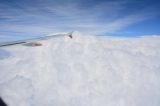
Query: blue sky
{"x":28,"y":18}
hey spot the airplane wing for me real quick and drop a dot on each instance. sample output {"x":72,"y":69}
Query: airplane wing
{"x":33,"y":42}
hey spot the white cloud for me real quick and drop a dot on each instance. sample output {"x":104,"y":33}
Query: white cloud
{"x":83,"y":71}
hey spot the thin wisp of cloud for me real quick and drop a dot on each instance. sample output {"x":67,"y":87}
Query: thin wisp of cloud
{"x":43,"y":17}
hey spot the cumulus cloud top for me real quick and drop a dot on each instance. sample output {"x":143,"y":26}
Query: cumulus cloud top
{"x":83,"y":71}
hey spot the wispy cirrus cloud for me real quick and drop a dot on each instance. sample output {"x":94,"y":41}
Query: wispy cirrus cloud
{"x":42,"y":17}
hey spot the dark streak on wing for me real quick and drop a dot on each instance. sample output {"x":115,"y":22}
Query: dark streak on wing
{"x":9,"y":44}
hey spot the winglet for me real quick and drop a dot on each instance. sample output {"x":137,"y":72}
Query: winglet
{"x":70,"y":35}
